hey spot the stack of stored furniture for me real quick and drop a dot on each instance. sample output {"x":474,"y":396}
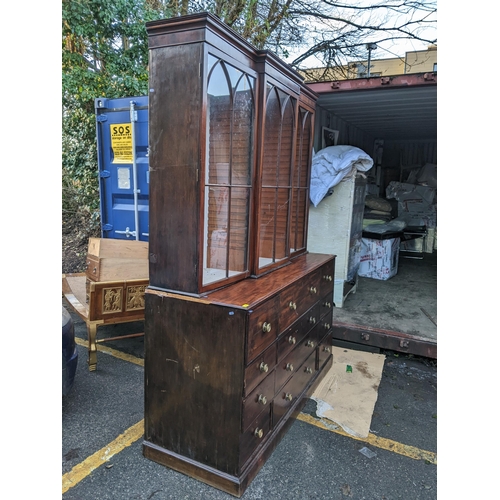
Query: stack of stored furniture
{"x":112,"y":288}
{"x":238,"y":313}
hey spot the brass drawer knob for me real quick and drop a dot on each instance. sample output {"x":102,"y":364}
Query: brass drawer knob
{"x":289,"y":367}
{"x":288,"y":396}
{"x":310,"y":343}
{"x":262,"y":399}
{"x":327,"y":278}
{"x":266,"y":327}
{"x":292,"y":306}
{"x":308,"y":370}
{"x":258,"y":433}
{"x":312,"y":320}
{"x":326,"y":349}
{"x":328,"y":304}
{"x":326,"y":326}
{"x":291,"y":340}
{"x":313,"y":289}
{"x":263,"y":367}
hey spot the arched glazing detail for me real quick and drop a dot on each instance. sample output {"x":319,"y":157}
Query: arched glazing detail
{"x":279,"y":133}
{"x":300,"y":182}
{"x":228,"y":170}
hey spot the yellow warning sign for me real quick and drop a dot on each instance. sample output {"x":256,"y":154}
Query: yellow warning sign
{"x":121,"y":142}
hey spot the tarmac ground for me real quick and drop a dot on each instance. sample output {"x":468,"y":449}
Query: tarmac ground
{"x":102,"y":432}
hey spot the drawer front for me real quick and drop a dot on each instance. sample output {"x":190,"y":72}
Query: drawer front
{"x":326,"y":278}
{"x":93,"y":269}
{"x":294,"y":388}
{"x":290,"y":363}
{"x":326,"y":305}
{"x":305,"y":373}
{"x":298,"y":298}
{"x":263,"y":328}
{"x":324,"y":350}
{"x":295,"y":333}
{"x":259,"y":400}
{"x":258,"y":369}
{"x":254,"y":435}
{"x":321,"y":329}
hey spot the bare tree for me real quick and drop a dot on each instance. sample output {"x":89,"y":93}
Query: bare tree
{"x":328,"y":32}
{"x":339,"y":32}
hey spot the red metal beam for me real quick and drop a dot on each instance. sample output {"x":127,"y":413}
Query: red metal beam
{"x":385,"y":339}
{"x":412,"y":80}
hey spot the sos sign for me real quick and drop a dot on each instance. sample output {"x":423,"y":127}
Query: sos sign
{"x":121,"y":142}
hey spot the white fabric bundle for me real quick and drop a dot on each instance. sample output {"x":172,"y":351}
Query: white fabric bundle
{"x":331,"y":165}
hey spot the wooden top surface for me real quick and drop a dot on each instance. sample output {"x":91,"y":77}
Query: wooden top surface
{"x":251,"y":292}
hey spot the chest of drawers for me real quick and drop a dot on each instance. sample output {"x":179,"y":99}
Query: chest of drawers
{"x":225,"y":372}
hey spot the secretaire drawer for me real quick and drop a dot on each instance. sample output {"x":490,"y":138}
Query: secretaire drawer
{"x":259,"y":368}
{"x":262,"y":327}
{"x":295,"y":333}
{"x":298,"y":298}
{"x":258,"y":400}
{"x":326,"y":304}
{"x":326,"y":278}
{"x":293,"y":388}
{"x":291,"y":363}
{"x":324,"y":350}
{"x":254,"y":435}
{"x":321,"y":329}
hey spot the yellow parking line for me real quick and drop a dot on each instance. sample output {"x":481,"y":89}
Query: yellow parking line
{"x":113,"y":352}
{"x":135,"y":432}
{"x":378,"y":442}
{"x":83,"y":469}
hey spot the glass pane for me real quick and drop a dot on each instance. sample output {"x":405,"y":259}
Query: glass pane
{"x":267,"y":218}
{"x":217,"y":227}
{"x":286,"y":141}
{"x":281,"y":233}
{"x":273,"y":224}
{"x":272,"y":129}
{"x":238,"y":232}
{"x":212,"y":60}
{"x":234,"y":75}
{"x":219,"y":127}
{"x":242,"y":136}
{"x":301,"y":173}
{"x":297,"y":235}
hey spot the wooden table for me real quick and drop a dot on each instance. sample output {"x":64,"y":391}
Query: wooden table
{"x":103,"y":303}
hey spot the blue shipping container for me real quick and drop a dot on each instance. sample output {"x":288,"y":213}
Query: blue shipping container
{"x":122,"y":157}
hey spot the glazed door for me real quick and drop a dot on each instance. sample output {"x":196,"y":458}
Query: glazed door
{"x":300,"y":182}
{"x":277,"y":161}
{"x":230,"y":120}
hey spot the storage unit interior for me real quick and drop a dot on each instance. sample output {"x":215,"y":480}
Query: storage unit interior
{"x":238,"y":315}
{"x":394,"y":120}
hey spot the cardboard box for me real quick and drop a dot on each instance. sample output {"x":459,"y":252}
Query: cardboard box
{"x":379,"y":258}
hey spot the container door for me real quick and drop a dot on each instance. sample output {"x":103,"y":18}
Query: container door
{"x":123,"y":175}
